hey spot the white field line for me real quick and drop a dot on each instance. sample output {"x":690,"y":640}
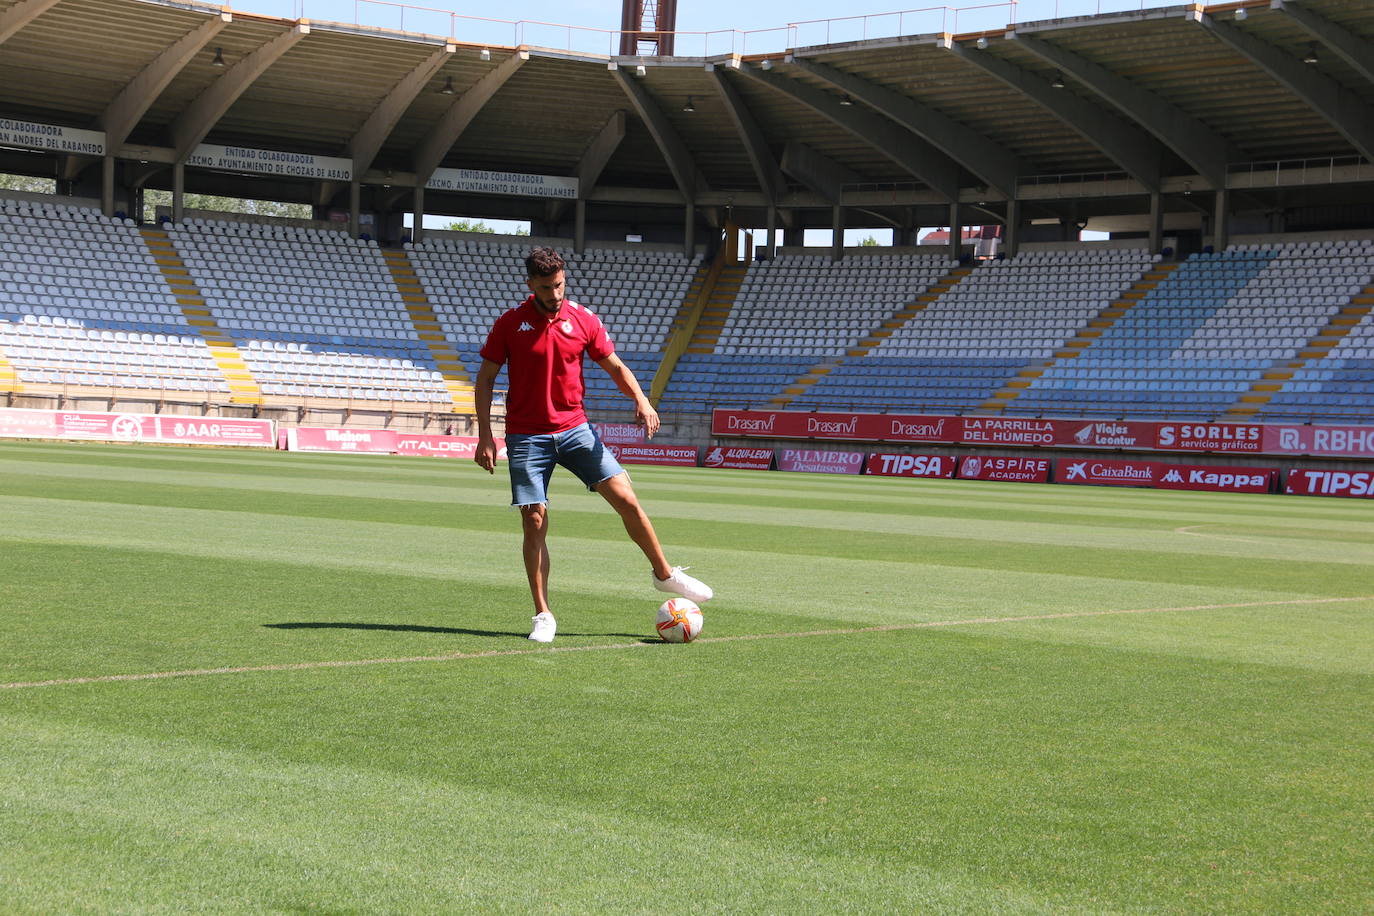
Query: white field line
{"x":1188,"y":529}
{"x":496,"y":653}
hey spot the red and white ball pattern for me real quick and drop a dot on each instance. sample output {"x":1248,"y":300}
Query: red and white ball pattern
{"x":679,"y":620}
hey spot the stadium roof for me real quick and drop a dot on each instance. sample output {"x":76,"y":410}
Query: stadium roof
{"x":1178,"y":100}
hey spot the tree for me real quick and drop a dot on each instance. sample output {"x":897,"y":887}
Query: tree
{"x":476,"y":225}
{"x":153,"y":199}
{"x":869,"y":242}
{"x":28,"y":184}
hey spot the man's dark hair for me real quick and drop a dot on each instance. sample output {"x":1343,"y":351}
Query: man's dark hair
{"x":543,"y":262}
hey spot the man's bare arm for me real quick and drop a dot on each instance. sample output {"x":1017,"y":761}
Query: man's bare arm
{"x":485,"y":455}
{"x":625,"y":380}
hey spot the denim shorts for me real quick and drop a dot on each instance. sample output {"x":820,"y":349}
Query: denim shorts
{"x":531,"y":460}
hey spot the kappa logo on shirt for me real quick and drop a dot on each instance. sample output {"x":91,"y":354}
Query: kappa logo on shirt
{"x":525,"y":326}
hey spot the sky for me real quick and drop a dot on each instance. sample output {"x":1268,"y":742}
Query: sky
{"x":704,"y":27}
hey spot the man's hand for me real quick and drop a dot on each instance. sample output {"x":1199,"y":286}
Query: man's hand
{"x":647,"y":417}
{"x":485,"y":456}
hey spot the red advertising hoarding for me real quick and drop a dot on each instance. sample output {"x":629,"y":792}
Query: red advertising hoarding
{"x":1107,"y":472}
{"x":1311,"y":482}
{"x":820,"y":461}
{"x":443,"y":446}
{"x":1216,"y":479}
{"x":886,"y":464}
{"x":998,"y":467}
{"x":1334,"y":441}
{"x":621,"y":433}
{"x":357,"y":441}
{"x":738,"y":456}
{"x":1210,"y":437}
{"x":1025,"y":432}
{"x":672,"y":455}
{"x":135,"y":427}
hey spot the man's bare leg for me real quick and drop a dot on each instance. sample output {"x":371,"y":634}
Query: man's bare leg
{"x":535,"y":521}
{"x":620,"y":494}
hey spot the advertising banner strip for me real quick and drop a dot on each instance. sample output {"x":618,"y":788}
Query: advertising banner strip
{"x":621,"y":433}
{"x":1224,"y":438}
{"x":1310,"y":482}
{"x":270,"y":162}
{"x":1216,"y":479}
{"x":1107,"y":472}
{"x":818,"y":461}
{"x":671,"y":455}
{"x":357,"y":441}
{"x":886,"y":464}
{"x":736,"y":456}
{"x":32,"y":135}
{"x":475,"y":181}
{"x":135,"y":427}
{"x":999,"y":467}
{"x":437,"y":446}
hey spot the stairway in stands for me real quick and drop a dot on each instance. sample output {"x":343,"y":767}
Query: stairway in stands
{"x":243,"y":388}
{"x":875,"y":337}
{"x":1276,"y":377}
{"x":1086,"y":337}
{"x":9,"y":377}
{"x":717,"y":310}
{"x":446,"y":359}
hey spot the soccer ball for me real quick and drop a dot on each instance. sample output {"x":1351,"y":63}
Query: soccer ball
{"x":679,"y":620}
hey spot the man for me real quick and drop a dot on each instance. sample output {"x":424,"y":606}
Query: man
{"x":542,"y":342}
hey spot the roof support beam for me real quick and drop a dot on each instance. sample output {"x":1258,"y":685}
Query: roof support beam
{"x":362,"y":149}
{"x":766,"y":169}
{"x":21,"y":14}
{"x":593,"y":162}
{"x":124,"y":112}
{"x":1138,"y":153}
{"x":1205,"y":150}
{"x":200,"y":117}
{"x":1343,"y":109}
{"x":675,"y":152}
{"x":980,"y":155}
{"x":913,"y":154}
{"x":440,"y":139}
{"x":818,"y":172}
{"x":1355,"y":51}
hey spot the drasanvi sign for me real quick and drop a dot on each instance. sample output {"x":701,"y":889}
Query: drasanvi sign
{"x":31,"y":135}
{"x":271,"y":162}
{"x":474,"y":181}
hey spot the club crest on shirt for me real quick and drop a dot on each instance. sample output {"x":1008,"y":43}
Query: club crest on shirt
{"x":567,"y":327}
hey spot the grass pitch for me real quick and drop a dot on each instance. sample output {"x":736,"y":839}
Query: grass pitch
{"x":910,"y":696}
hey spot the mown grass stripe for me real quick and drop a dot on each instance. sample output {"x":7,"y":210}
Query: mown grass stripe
{"x":743,"y":637}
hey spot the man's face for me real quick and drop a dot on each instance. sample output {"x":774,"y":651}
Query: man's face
{"x":548,"y":292}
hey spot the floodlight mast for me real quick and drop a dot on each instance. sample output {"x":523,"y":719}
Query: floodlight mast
{"x":647,"y":26}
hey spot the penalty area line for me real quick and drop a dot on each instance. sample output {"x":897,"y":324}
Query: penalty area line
{"x":796,"y":634}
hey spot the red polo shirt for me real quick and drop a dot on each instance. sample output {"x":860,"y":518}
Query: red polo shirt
{"x":544,"y":357}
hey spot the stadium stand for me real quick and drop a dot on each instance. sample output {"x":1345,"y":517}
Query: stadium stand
{"x":1196,"y":344}
{"x":82,"y":303}
{"x":791,"y":315}
{"x":952,"y":355}
{"x":635,"y":293}
{"x":316,"y":312}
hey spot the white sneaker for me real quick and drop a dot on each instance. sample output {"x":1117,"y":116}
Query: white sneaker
{"x":679,"y":583}
{"x":544,"y":627}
